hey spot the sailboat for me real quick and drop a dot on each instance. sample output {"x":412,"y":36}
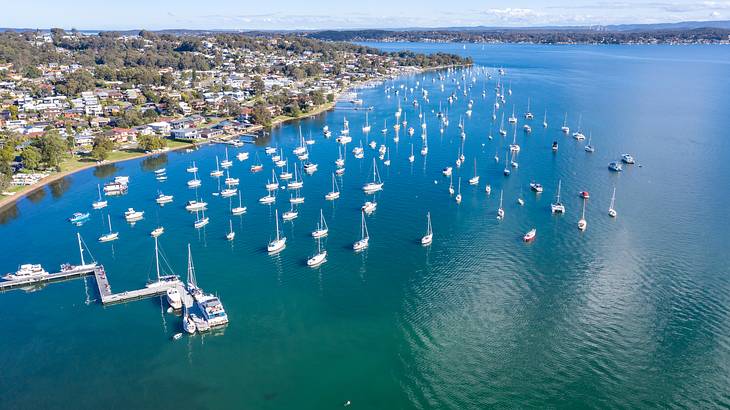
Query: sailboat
{"x":366,"y":127}
{"x":376,"y":184}
{"x":411,"y":157}
{"x":162,"y":280}
{"x":544,"y":120}
{"x":557,"y":207}
{"x":364,"y":236}
{"x":500,"y":210}
{"x":285,"y":174}
{"x":195,"y":182}
{"x":297,"y":183}
{"x":111,"y":236}
{"x":193,"y":168}
{"x":322,"y":229}
{"x":226,"y":163}
{"x":319,"y":258}
{"x":528,"y":114}
{"x":240,"y":209}
{"x":231,"y":234}
{"x":280,"y":242}
{"x":424,"y":149}
{"x":290,"y":214}
{"x":502,"y":131}
{"x":387,"y":159}
{"x":217,"y":172}
{"x":582,"y":223}
{"x":451,"y":184}
{"x":565,"y":128}
{"x":296,"y":199}
{"x":273,"y":184}
{"x":335,"y":193}
{"x":579,"y":134}
{"x":589,"y":147}
{"x":428,"y":238}
{"x":512,"y":119}
{"x":506,"y":171}
{"x":611,"y":210}
{"x":475,"y":179}
{"x":514,"y":147}
{"x":99,"y":203}
{"x":458,"y":195}
{"x":200,"y":222}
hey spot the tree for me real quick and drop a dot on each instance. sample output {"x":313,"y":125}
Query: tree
{"x":151,"y":142}
{"x":102,"y":147}
{"x":51,"y":147}
{"x":317,"y":97}
{"x":261,"y":114}
{"x":31,"y":157}
{"x":259,"y":88}
{"x":330,"y":97}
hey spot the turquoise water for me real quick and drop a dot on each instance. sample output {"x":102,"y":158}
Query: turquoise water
{"x":633,"y":312}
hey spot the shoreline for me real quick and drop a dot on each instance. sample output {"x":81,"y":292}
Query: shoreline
{"x":23,"y":193}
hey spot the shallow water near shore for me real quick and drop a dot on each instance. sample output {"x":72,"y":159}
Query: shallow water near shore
{"x":633,"y":312}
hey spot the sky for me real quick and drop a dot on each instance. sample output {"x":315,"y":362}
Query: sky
{"x":342,"y":14}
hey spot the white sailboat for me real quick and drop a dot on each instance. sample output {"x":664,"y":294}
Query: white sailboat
{"x":458,"y":195}
{"x":297,"y":183}
{"x":544,"y":120}
{"x":111,"y":236}
{"x":231,"y":234}
{"x":322,"y":228}
{"x":240,"y":209}
{"x":99,"y":203}
{"x":226,"y":163}
{"x":279,"y":243}
{"x":217,"y":172}
{"x":475,"y":179}
{"x":451,"y":184}
{"x":411,"y":157}
{"x":611,"y":210}
{"x":364,"y":235}
{"x":565,"y":128}
{"x":335,"y":193}
{"x":582,"y":223}
{"x":557,"y":207}
{"x":200,"y":222}
{"x":500,"y":210}
{"x":272,"y":184}
{"x":589,"y":147}
{"x":195,"y":182}
{"x":319,"y":258}
{"x":376,"y":184}
{"x":428,"y":238}
{"x":366,"y":127}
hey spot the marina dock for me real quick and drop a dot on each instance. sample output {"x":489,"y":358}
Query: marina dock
{"x":107,"y":297}
{"x":53,"y":277}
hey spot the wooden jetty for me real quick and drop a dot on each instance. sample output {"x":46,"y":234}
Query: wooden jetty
{"x":107,"y":297}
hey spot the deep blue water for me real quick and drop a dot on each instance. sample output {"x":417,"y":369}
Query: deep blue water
{"x":633,"y":312}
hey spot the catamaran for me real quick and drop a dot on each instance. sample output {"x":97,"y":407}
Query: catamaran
{"x":364,"y":236}
{"x":611,"y":210}
{"x":536,"y":187}
{"x":111,"y":236}
{"x":557,"y":207}
{"x":99,"y":203}
{"x":240,"y":209}
{"x":528,"y":114}
{"x":376,"y":184}
{"x":280,"y":242}
{"x":322,"y":229}
{"x":428,"y":237}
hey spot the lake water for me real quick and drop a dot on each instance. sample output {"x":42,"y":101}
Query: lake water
{"x":633,"y":312}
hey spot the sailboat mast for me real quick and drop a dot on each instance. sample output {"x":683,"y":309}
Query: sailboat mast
{"x":81,"y":249}
{"x":157,"y":260}
{"x":277,"y":224}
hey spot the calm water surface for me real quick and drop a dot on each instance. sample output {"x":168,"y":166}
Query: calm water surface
{"x":632,"y":312}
